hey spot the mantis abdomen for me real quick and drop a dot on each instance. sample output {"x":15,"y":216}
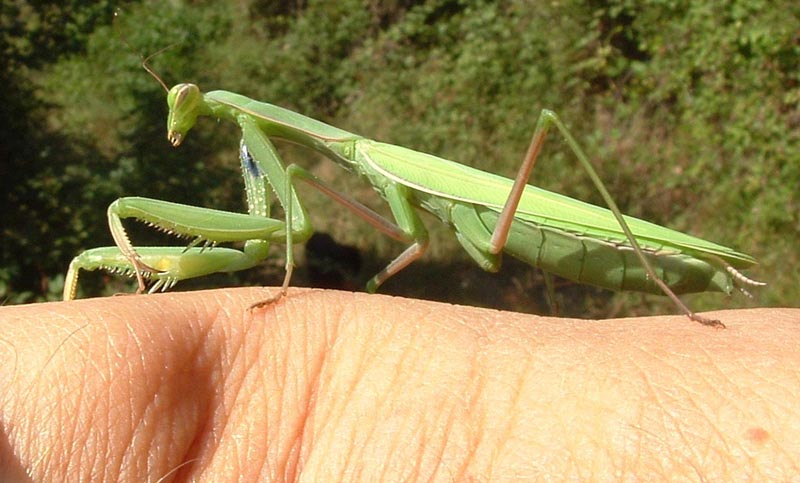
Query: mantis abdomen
{"x":586,"y":259}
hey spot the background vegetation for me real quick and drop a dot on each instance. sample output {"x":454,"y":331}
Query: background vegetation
{"x":689,"y":110}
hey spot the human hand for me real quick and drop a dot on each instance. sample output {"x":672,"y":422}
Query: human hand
{"x":336,"y":386}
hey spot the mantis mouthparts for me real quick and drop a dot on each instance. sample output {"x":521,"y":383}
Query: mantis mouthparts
{"x":175,"y":138}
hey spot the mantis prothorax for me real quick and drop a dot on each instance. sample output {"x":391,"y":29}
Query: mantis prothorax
{"x":489,"y":214}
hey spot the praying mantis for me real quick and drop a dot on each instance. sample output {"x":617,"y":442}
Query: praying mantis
{"x":489,"y":214}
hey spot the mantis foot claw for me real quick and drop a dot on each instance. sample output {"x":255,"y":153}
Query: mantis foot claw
{"x":717,"y":324}
{"x":269,"y":301}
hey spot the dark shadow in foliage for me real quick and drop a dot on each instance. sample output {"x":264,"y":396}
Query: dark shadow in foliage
{"x":330,"y":264}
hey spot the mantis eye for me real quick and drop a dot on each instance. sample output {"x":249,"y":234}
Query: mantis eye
{"x":183,"y":95}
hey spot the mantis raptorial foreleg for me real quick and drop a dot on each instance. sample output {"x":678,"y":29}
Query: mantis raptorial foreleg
{"x":207,"y":227}
{"x":168,"y":265}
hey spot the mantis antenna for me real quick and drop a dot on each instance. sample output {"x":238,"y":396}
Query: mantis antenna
{"x":145,"y":60}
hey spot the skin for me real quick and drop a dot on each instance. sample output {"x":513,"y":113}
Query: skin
{"x":334,"y":386}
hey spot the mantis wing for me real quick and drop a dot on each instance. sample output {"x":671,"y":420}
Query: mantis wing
{"x":447,"y":179}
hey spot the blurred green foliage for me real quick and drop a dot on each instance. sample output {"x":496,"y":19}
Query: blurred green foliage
{"x":689,"y":110}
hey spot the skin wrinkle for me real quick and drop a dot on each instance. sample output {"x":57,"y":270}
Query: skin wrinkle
{"x":150,"y":400}
{"x":261,"y":373}
{"x":449,"y":428}
{"x":450,"y":434}
{"x":421,"y":437}
{"x":96,"y":415}
{"x":308,"y":433}
{"x":341,"y":342}
{"x":772,"y":419}
{"x":240,"y":365}
{"x":670,"y":424}
{"x":205,"y":432}
{"x":475,"y":425}
{"x":506,"y":441}
{"x":253,"y":457}
{"x":203,"y":347}
{"x":353,"y":459}
{"x":75,"y":419}
{"x":95,"y":406}
{"x":729,"y":403}
{"x":607,"y":387}
{"x":313,"y":375}
{"x":305,"y":384}
{"x":443,"y":433}
{"x":710,"y":370}
{"x":126,"y":465}
{"x":569,"y":402}
{"x":504,"y":436}
{"x":732,"y":402}
{"x":616,"y":442}
{"x":767,"y":384}
{"x":645,"y":407}
{"x":473,"y":350}
{"x":278,"y":373}
{"x":686,"y":460}
{"x":508,"y":340}
{"x":132,"y":411}
{"x":253,"y":440}
{"x":369,"y":355}
{"x":291,"y":420}
{"x":304,"y":436}
{"x":323,"y":411}
{"x":393,"y":447}
{"x":190,"y":364}
{"x":721,"y":393}
{"x":409,"y":357}
{"x":576,"y":442}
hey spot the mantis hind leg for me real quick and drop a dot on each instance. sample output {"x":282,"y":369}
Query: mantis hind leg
{"x":546,"y":120}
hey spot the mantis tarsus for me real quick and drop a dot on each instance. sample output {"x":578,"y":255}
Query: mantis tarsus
{"x":490,"y":214}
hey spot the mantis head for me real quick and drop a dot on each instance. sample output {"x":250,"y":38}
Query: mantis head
{"x":185,"y":103}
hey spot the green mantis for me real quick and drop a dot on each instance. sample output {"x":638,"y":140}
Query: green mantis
{"x":489,"y":214}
